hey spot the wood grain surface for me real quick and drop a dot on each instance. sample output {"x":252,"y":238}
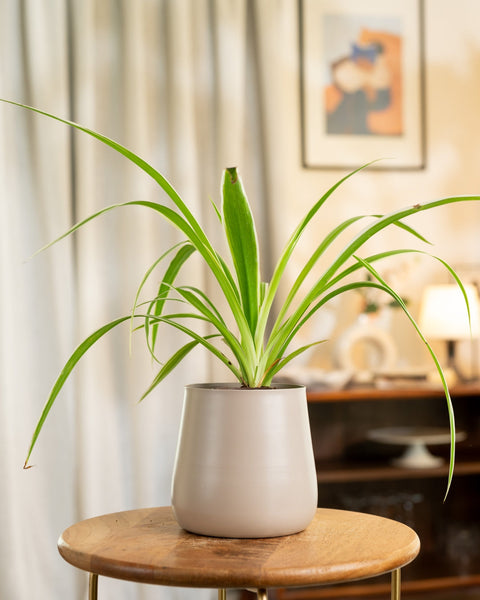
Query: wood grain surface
{"x":148,"y":546}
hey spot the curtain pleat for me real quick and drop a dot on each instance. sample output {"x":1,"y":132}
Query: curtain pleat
{"x":36,"y":302}
{"x":178,"y":83}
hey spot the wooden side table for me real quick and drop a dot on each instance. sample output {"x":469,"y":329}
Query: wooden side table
{"x":148,"y":546}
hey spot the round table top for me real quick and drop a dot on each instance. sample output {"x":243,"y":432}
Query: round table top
{"x":148,"y":546}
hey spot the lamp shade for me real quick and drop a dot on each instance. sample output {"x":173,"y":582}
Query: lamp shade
{"x":443,"y":313}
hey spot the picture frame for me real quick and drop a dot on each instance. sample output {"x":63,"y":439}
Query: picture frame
{"x":362,"y":84}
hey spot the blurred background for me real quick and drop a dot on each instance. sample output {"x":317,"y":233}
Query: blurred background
{"x":193,"y":86}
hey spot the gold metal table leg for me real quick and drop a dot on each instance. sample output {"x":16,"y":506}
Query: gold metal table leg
{"x":261,"y":592}
{"x":396,"y":580}
{"x":93,"y":586}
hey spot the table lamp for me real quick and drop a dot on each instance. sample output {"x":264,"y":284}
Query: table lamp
{"x":444,"y":316}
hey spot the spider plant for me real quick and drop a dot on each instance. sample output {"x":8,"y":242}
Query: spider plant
{"x":251,"y":351}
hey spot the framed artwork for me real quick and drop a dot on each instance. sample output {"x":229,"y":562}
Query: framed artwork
{"x":362,"y":83}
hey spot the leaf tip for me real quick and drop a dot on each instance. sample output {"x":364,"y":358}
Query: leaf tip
{"x":232,"y":171}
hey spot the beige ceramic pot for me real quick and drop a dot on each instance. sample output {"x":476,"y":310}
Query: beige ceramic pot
{"x":244,"y":465}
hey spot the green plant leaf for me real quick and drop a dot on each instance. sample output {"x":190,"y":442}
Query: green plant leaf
{"x":67,"y":369}
{"x":242,"y":240}
{"x":185,"y":221}
{"x":149,"y":318}
{"x":171,"y":273}
{"x":409,"y":229}
{"x":373,"y":258}
{"x":217,"y":212}
{"x":206,"y":301}
{"x":171,"y":320}
{"x":230,"y":278}
{"x":147,"y":275}
{"x":321,"y":248}
{"x":380,"y":224}
{"x":287,"y":253}
{"x":326,"y":242}
{"x":171,"y":363}
{"x":348,"y":252}
{"x":219,"y":325}
{"x":131,"y":156}
{"x":451,"y":415}
{"x":279,"y":364}
{"x":249,"y":301}
{"x":278,"y":343}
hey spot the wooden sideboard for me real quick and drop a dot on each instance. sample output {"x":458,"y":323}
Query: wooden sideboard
{"x":357,"y":474}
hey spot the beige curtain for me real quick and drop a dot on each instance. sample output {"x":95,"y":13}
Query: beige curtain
{"x":187,"y":85}
{"x":36,"y":303}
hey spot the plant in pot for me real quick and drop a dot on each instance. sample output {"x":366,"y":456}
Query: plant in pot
{"x":244,"y":464}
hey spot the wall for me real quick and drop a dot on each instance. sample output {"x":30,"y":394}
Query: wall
{"x":452,"y":82}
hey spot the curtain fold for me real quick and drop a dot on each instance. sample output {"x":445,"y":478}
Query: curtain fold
{"x":178,"y":83}
{"x":36,"y":302}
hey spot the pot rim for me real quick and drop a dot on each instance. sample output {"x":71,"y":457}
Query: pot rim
{"x":238,"y":387}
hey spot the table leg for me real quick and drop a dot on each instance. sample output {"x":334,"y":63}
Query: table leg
{"x":222,"y":594}
{"x":262,"y":594}
{"x":92,"y":586}
{"x":396,"y":580}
